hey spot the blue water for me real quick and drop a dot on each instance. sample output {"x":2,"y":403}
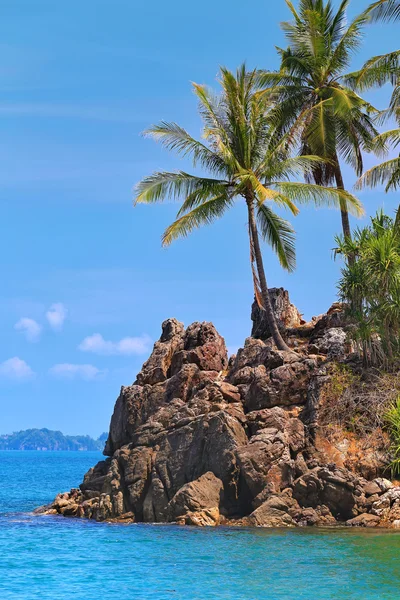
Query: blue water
{"x":51,"y":558}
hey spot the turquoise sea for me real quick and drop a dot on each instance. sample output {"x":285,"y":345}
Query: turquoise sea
{"x":51,"y":558}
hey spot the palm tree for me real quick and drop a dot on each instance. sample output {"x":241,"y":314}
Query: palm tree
{"x":315,"y":108}
{"x":243,"y":163}
{"x":387,"y":172}
{"x":384,"y":10}
{"x":376,"y":72}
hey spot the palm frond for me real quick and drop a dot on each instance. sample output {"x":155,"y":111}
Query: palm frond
{"x":319,"y":196}
{"x":349,"y":43}
{"x":375,"y":72}
{"x":279,"y":234}
{"x":166,"y":185}
{"x":387,"y":172}
{"x":293,"y":166}
{"x":204,"y":214}
{"x":384,"y":10}
{"x":175,"y":138}
{"x":266,"y":193}
{"x":392,"y":136}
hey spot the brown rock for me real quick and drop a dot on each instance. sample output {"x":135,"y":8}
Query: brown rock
{"x":155,"y":369}
{"x":203,"y":494}
{"x":209,"y":517}
{"x":230,"y":393}
{"x":274,"y":512}
{"x":364,"y":520}
{"x":202,"y":346}
{"x":193,"y":439}
{"x":333,"y":488}
{"x":372,"y":488}
{"x":286,"y":314}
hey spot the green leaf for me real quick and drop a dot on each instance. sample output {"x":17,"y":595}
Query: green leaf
{"x":165,"y":185}
{"x":279,"y":234}
{"x":204,"y":214}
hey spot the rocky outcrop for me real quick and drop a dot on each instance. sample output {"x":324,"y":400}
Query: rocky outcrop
{"x":200,"y":441}
{"x":286,"y":314}
{"x":198,"y":502}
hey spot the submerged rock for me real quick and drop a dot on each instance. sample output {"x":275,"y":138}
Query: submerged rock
{"x":195,"y":440}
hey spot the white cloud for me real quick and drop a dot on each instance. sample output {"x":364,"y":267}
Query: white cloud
{"x":16,"y":368}
{"x":56,"y":316}
{"x":130,"y":345}
{"x":71,"y":371}
{"x":30,"y":328}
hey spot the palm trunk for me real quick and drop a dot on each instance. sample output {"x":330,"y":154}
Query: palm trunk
{"x":343,"y":208}
{"x":273,"y":326}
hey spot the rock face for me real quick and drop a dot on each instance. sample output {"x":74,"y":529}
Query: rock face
{"x":286,"y":314}
{"x":197,"y":440}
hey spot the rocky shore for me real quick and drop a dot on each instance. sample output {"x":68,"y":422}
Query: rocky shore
{"x":202,"y":440}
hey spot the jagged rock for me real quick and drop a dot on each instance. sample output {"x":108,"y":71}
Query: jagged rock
{"x":281,"y":386}
{"x":286,"y":314}
{"x":307,"y":517}
{"x":197,"y":500}
{"x":198,"y":441}
{"x":202,"y":346}
{"x":371,"y":487}
{"x":332,"y":342}
{"x":380,"y":507}
{"x":384,"y":484}
{"x":364,"y":520}
{"x":329,"y":486}
{"x":230,"y":393}
{"x":274,"y":510}
{"x":270,"y":517}
{"x":155,"y":369}
{"x":335,"y":317}
{"x":256,"y":353}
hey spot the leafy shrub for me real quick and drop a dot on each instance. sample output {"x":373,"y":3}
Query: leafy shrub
{"x":370,"y":286}
{"x":356,"y":402}
{"x":392,"y":421}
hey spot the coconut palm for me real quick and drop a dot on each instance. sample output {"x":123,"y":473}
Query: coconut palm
{"x":388,"y":172}
{"x":319,"y":113}
{"x":376,"y":72}
{"x":384,"y":10}
{"x":243,"y":163}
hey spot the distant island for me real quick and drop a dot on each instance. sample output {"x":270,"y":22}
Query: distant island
{"x":45,"y":439}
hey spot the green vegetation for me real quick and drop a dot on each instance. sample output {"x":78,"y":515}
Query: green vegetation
{"x":385,"y":10}
{"x":358,"y":403}
{"x":266,"y":130}
{"x":316,"y":109}
{"x":45,"y":439}
{"x":392,"y":420}
{"x":377,"y":72}
{"x":371,"y":288}
{"x":246,"y":161}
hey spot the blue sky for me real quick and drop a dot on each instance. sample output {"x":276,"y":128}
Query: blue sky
{"x":85,"y":281}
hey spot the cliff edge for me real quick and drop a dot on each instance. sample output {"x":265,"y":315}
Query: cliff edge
{"x":202,"y":440}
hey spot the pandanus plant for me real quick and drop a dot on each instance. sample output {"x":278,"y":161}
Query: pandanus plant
{"x":244,"y":163}
{"x":371,"y":288}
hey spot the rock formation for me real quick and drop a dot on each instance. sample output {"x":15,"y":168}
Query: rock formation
{"x":201,"y":440}
{"x":286,"y":314}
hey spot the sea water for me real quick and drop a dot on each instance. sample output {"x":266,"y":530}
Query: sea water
{"x":51,"y":558}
